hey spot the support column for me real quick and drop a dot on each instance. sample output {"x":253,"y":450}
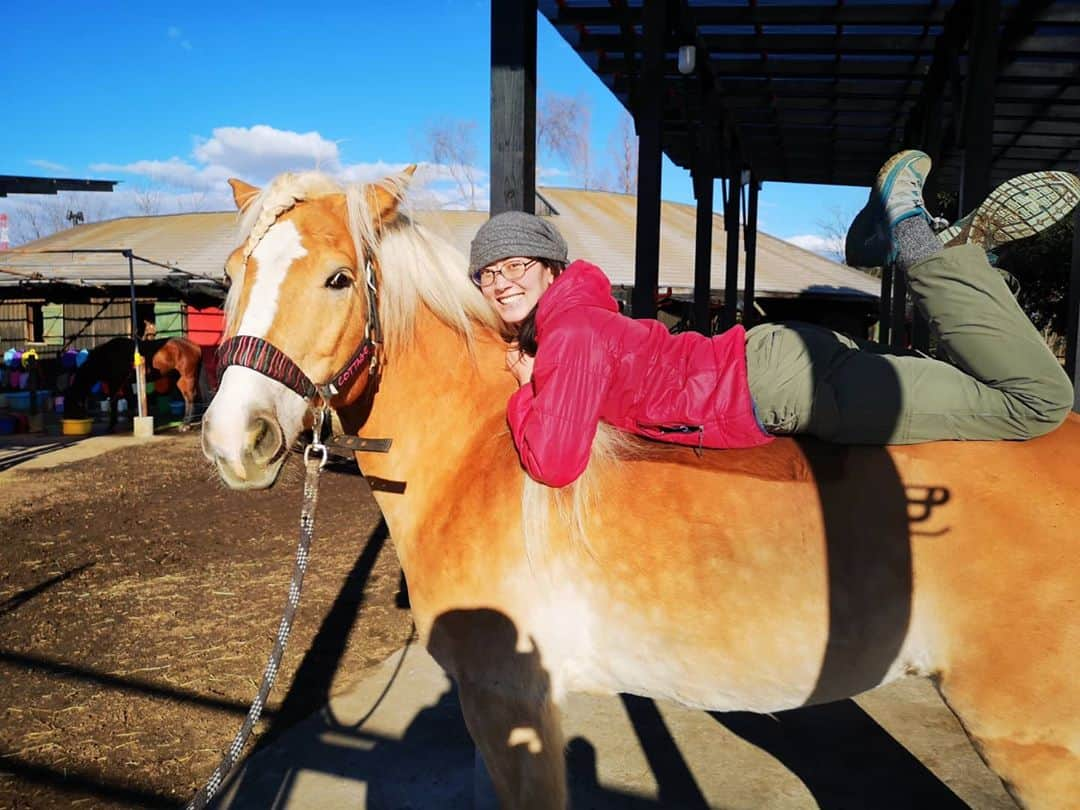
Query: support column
{"x":1072,"y":336}
{"x":749,"y":313}
{"x":898,"y":336}
{"x":703,"y":191}
{"x":885,"y":323}
{"x":731,"y":227}
{"x":648,"y":118}
{"x":513,"y":106}
{"x":979,"y":104}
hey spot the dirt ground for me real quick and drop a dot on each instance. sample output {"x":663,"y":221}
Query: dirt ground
{"x":139,"y":600}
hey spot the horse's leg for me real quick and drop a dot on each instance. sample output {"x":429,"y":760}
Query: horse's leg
{"x":186,"y":385}
{"x":506,"y":698}
{"x":1026,"y":729}
{"x":114,"y":399}
{"x":519,"y":735}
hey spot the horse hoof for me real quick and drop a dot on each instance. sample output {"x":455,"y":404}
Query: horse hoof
{"x":185,"y":428}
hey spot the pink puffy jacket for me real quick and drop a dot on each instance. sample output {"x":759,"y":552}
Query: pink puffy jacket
{"x":594,"y":364}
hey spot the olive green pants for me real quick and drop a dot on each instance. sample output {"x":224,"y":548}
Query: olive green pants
{"x":1001,"y":381}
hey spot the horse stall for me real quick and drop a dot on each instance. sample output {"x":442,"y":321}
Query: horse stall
{"x":65,"y":297}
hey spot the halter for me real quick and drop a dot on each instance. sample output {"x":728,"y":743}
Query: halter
{"x":264,"y":357}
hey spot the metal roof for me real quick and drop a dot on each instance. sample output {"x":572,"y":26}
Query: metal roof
{"x":598,"y":226}
{"x":192,"y":247}
{"x":824,"y":92}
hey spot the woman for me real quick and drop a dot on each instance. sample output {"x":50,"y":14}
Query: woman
{"x":578,"y":361}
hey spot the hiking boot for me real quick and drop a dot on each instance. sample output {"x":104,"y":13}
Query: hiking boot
{"x":895,"y":196}
{"x":1017,"y":209}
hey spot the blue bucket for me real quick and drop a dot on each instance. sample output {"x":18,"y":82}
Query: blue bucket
{"x":18,"y":400}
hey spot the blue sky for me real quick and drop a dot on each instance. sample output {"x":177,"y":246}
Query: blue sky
{"x":171,"y":99}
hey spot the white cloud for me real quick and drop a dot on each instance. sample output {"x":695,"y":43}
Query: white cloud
{"x":174,"y":172}
{"x":257,"y":154}
{"x":48,"y":165}
{"x":261,"y":152}
{"x":177,"y":35}
{"x":830,"y":248}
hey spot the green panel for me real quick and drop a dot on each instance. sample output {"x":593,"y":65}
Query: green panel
{"x":169,"y":318}
{"x":52,"y":316}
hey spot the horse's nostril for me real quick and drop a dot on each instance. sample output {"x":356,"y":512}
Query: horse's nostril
{"x":264,"y":439}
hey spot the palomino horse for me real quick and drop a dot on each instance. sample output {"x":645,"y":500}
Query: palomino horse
{"x":760,"y":580}
{"x":111,"y":363}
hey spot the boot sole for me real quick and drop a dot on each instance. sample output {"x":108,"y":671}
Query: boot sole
{"x":1017,"y":209}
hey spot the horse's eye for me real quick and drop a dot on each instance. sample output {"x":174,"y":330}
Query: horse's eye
{"x":339,"y":281}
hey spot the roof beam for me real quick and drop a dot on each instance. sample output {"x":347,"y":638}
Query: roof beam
{"x":13,"y":184}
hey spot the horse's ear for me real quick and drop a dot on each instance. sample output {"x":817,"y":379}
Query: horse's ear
{"x":242,"y":192}
{"x":384,"y":199}
{"x":410,"y":170}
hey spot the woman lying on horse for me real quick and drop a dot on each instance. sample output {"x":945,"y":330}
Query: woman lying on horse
{"x":579,"y":362}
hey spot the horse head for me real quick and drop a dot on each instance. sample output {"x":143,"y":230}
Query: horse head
{"x":301,"y":321}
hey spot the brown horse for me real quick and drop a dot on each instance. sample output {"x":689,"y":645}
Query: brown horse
{"x":112,"y":364}
{"x":762,"y":580}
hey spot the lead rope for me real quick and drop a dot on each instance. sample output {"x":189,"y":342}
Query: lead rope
{"x":314,"y":465}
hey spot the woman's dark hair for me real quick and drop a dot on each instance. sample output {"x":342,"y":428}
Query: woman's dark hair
{"x":526,"y":331}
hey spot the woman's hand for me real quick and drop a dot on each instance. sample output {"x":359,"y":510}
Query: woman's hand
{"x":520,"y":364}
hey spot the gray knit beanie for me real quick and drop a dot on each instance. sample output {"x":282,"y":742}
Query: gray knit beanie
{"x":515,"y":233}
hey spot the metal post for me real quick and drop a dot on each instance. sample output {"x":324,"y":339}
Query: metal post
{"x":731,"y":226}
{"x":140,"y":364}
{"x":703,"y":190}
{"x":1072,"y":335}
{"x":648,"y":118}
{"x":131,"y":280}
{"x":979,"y":104}
{"x":513,"y":106}
{"x":749,"y":314}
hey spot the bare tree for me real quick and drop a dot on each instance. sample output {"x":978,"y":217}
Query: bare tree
{"x":38,"y":217}
{"x":562,"y":130}
{"x":451,"y":145}
{"x":834,"y":228}
{"x":147,"y":199}
{"x":623,"y":145}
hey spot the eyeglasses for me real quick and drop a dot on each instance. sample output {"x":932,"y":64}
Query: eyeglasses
{"x":511,"y":271}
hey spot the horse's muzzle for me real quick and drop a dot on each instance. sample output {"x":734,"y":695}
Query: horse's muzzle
{"x":249,"y":458}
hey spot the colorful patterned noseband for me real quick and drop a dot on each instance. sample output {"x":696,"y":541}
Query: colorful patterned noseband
{"x":265,"y":358}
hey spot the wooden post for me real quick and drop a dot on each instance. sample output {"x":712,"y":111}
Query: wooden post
{"x":899,"y":309}
{"x":979,"y":104}
{"x":731,"y":226}
{"x":885,"y":323}
{"x":749,"y":314}
{"x":648,"y":118}
{"x":513,"y":106}
{"x":703,"y":191}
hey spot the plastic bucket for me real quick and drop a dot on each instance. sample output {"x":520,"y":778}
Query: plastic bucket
{"x":19,"y":400}
{"x":7,"y":425}
{"x":177,"y":407}
{"x":76,"y":427}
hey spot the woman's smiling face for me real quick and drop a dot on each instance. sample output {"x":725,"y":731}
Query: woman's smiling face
{"x":514,"y":298}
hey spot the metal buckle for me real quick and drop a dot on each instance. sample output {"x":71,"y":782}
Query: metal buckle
{"x":316,"y":438}
{"x":319,"y":448}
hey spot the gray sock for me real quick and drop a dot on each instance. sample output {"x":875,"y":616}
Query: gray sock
{"x":916,"y":241}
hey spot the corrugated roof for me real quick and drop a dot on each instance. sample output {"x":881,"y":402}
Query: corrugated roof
{"x":598,"y":226}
